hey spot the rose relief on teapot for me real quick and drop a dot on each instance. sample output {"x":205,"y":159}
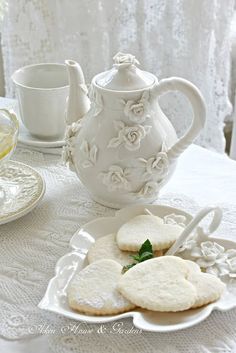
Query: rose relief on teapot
{"x":118,"y":140}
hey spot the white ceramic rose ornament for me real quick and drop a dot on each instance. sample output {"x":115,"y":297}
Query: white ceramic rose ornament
{"x":119,"y":142}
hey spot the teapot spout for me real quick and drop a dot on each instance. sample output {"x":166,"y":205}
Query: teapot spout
{"x":78,"y":103}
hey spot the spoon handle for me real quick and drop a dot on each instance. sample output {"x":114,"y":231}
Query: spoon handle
{"x":216,"y":220}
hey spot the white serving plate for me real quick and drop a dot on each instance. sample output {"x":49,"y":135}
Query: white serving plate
{"x":55,"y":298}
{"x":21,"y":189}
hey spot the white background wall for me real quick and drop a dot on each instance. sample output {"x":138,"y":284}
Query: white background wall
{"x":1,"y":73}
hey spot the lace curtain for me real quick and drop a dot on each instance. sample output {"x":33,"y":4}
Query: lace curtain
{"x":185,"y":38}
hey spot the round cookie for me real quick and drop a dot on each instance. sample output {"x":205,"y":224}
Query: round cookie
{"x":107,"y":248}
{"x":209,"y":287}
{"x":94,"y":290}
{"x":133,"y":233}
{"x":159,"y":284}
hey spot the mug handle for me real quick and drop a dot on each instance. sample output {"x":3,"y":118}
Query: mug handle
{"x":198,"y":105}
{"x":12,"y":116}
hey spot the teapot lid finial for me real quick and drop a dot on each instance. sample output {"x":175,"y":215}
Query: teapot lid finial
{"x":125,"y":75}
{"x":122,"y":60}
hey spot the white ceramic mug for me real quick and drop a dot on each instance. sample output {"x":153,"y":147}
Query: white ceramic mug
{"x":42,"y":90}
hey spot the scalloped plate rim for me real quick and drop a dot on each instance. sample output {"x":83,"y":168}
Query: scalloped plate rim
{"x":136,"y":315}
{"x":23,"y":212}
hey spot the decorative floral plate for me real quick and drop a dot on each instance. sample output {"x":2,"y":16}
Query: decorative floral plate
{"x":21,"y":189}
{"x":55,"y":298}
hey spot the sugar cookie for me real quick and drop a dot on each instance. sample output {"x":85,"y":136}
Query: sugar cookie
{"x":132,"y":234}
{"x":107,"y":248}
{"x":94,"y":289}
{"x":159,"y":284}
{"x":209,"y":287}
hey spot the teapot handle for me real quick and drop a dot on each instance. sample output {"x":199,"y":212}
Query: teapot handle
{"x":199,"y":110}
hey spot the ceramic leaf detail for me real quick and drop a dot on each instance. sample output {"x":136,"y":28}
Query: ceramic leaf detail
{"x":128,"y":136}
{"x":71,"y":134}
{"x":93,"y":154}
{"x":116,"y":178}
{"x":138,"y":110}
{"x":85,"y":147}
{"x":87,"y":163}
{"x":114,"y":142}
{"x":73,"y":129}
{"x":90,"y":152}
{"x":119,"y":125}
{"x":96,"y":102}
{"x":84,"y":88}
{"x":148,"y":190}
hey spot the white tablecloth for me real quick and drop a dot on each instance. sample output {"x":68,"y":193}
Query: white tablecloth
{"x":201,"y":175}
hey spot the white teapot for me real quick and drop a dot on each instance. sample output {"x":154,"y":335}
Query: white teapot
{"x":118,"y":140}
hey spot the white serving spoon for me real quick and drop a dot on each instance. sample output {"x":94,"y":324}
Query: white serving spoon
{"x":216,"y":220}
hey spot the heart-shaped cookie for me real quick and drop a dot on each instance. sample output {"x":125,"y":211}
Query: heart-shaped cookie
{"x":94,"y":289}
{"x":159,"y":284}
{"x":209,"y":287}
{"x":132,"y":234}
{"x":106,"y":248}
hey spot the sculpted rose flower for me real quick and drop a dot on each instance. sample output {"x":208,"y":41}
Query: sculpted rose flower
{"x":70,"y":138}
{"x":115,"y":178}
{"x":211,"y":250}
{"x":225,"y":265}
{"x":210,"y":256}
{"x":175,"y":219}
{"x":210,"y":253}
{"x":149,"y":189}
{"x":96,"y":99}
{"x":187,"y":247}
{"x":66,"y":154}
{"x":73,"y":129}
{"x":232,"y":267}
{"x":231,"y":262}
{"x":138,"y":111}
{"x":158,"y":165}
{"x":132,"y":137}
{"x":129,"y":136}
{"x":124,"y":60}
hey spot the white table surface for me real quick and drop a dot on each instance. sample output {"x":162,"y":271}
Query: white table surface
{"x":205,"y":176}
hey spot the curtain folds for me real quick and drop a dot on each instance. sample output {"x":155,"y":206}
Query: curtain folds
{"x":186,"y":38}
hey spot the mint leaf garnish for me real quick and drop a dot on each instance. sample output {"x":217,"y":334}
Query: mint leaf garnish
{"x":127,"y":267}
{"x":135,"y":257}
{"x":145,"y":256}
{"x":145,"y":253}
{"x":146,"y":247}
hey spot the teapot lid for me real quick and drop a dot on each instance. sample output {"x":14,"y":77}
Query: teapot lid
{"x":125,"y":75}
